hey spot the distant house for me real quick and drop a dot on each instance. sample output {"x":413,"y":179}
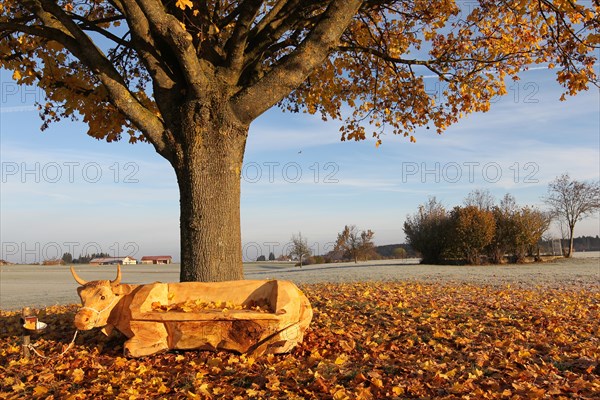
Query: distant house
{"x":113,"y":260}
{"x":157,"y":260}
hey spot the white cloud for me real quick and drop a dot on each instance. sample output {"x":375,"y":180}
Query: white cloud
{"x":16,"y":109}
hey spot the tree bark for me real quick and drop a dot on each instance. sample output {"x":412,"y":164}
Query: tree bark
{"x":571,"y":239}
{"x":208,"y":167}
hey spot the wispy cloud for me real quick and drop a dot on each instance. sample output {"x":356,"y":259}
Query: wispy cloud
{"x":17,"y":109}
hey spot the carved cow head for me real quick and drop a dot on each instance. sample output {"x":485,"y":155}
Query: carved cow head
{"x":98,"y":298}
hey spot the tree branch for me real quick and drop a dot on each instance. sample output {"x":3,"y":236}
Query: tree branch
{"x":78,"y":43}
{"x":294,"y":69}
{"x":163,"y":77}
{"x":171,"y":30}
{"x":394,"y":60}
{"x":45,"y":32}
{"x":261,"y":39}
{"x":270,"y":16}
{"x":236,"y":45}
{"x":88,"y":25}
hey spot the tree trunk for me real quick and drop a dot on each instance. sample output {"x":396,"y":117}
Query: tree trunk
{"x":497,"y":255}
{"x":571,"y":239}
{"x":208,"y":167}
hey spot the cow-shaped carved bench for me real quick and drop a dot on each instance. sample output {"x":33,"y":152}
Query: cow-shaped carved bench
{"x":132,"y":309}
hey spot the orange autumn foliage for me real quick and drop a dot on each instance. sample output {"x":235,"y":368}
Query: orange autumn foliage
{"x":367,"y":341}
{"x":378,"y":67}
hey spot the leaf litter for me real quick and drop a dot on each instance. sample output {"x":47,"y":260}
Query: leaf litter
{"x":366,"y":341}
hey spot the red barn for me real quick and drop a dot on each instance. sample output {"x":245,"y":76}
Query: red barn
{"x":157,"y":260}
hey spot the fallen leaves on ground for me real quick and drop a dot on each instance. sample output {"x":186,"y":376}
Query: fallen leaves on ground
{"x":366,"y":341}
{"x":195,"y":306}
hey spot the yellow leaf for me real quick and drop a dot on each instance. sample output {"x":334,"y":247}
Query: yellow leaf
{"x":340,"y":394}
{"x":204,"y":389}
{"x":219,"y":390}
{"x":162,"y":389}
{"x":16,"y":75}
{"x":120,"y":362}
{"x":341,"y":359}
{"x":141,"y":369}
{"x":397,"y":390}
{"x":184,"y":3}
{"x":17,"y":387}
{"x":477,"y":373}
{"x":78,"y":375}
{"x":377,"y":382}
{"x":40,"y":391}
{"x":249,"y":361}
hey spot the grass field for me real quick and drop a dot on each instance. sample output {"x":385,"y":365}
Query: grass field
{"x":41,"y":286}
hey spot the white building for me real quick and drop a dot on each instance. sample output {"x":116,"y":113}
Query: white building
{"x":113,"y":260}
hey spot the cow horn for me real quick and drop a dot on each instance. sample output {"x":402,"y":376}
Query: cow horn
{"x":77,"y":278}
{"x":118,"y":278}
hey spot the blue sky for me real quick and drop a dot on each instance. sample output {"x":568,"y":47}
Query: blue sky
{"x":64,"y":191}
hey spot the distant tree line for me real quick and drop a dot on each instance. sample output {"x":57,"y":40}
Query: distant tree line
{"x":351,"y":244}
{"x":263,"y":258}
{"x":67,"y":258}
{"x":561,"y":246}
{"x":584,"y":243}
{"x":479,"y":231}
{"x":395,"y":251}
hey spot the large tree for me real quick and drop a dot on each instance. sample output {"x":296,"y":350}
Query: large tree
{"x":472,"y":230}
{"x":531,"y":225}
{"x":190,"y":76}
{"x":571,"y":201}
{"x":299,"y":248}
{"x":505,"y":216}
{"x":518,"y":229}
{"x":428,"y":231}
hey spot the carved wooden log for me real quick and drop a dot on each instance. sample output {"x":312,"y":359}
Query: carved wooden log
{"x":277,"y":328}
{"x":243,"y":316}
